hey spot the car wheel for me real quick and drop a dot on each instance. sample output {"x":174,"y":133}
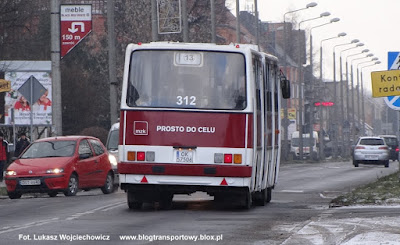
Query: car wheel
{"x":355,"y":163}
{"x":72,"y":188}
{"x":108,"y":185}
{"x":387,"y":164}
{"x":14,"y":195}
{"x":52,"y":194}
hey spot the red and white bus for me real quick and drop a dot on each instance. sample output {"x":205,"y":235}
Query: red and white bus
{"x":199,"y":117}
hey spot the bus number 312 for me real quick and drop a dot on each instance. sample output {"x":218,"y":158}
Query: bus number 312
{"x":186,"y":100}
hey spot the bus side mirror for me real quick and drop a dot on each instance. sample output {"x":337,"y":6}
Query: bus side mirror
{"x":285,"y":86}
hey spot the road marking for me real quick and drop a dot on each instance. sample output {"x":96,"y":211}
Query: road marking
{"x":104,"y":208}
{"x":116,"y":206}
{"x":27,"y":225}
{"x":291,"y":191}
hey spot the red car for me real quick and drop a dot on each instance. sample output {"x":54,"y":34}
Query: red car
{"x":61,"y":164}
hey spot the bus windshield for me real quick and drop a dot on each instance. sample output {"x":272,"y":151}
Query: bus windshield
{"x":187,"y":79}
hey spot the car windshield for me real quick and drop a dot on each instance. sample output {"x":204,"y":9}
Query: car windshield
{"x":50,"y":149}
{"x":391,"y":141}
{"x":112,"y":143}
{"x":371,"y":142}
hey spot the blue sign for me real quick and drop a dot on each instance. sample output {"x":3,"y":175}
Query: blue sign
{"x":393,"y":64}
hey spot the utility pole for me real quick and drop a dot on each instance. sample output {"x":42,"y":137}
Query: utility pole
{"x":185,"y":22}
{"x":55,"y":67}
{"x":257,"y":25}
{"x":237,"y":22}
{"x":154,"y":23}
{"x":112,"y":62}
{"x":213,"y":29}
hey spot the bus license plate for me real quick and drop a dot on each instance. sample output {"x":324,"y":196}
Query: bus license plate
{"x":184,"y":156}
{"x":30,"y":182}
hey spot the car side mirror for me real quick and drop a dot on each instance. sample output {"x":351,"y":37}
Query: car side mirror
{"x":285,"y":86}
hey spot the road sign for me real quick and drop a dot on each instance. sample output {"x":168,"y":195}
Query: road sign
{"x":385,"y":83}
{"x":393,"y":64}
{"x":169,"y":16}
{"x":76,"y":24}
{"x":32,"y":89}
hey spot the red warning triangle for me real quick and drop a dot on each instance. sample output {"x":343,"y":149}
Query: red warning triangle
{"x":144,"y":180}
{"x":223,"y":182}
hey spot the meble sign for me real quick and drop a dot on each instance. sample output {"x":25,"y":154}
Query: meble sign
{"x":385,"y":83}
{"x":76,"y":24}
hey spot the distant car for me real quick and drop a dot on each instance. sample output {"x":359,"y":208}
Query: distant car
{"x":371,"y":150}
{"x":112,"y":148}
{"x":393,"y":144}
{"x":61,"y":164}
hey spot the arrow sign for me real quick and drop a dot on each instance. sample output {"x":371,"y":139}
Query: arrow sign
{"x":73,"y":28}
{"x":76,"y":24}
{"x":393,"y":64}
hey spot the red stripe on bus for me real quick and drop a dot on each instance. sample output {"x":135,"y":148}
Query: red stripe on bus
{"x":185,"y":169}
{"x":200,"y":129}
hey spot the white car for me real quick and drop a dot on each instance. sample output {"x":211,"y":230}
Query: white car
{"x":112,"y":148}
{"x":371,"y":150}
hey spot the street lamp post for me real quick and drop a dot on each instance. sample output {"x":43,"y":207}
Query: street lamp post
{"x":311,"y":130}
{"x":353,"y":122}
{"x":358,"y":95}
{"x":347,"y":145}
{"x":362,"y":93}
{"x":336,"y":120}
{"x":301,"y":87}
{"x":285,"y":103}
{"x":321,"y":137}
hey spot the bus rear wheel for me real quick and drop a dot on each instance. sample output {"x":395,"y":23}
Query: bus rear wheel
{"x":166,"y":201}
{"x":248,"y":200}
{"x":133,"y":203}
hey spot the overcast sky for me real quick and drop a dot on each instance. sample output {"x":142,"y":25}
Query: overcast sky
{"x":374,"y":23}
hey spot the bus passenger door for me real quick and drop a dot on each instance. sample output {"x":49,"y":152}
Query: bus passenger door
{"x":268,"y":124}
{"x":258,"y":75}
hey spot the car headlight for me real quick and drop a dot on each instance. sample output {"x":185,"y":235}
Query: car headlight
{"x":55,"y":171}
{"x":113,"y":160}
{"x":11,"y":173}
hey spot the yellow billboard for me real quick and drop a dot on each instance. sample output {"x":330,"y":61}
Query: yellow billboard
{"x":5,"y":85}
{"x":385,"y":83}
{"x":291,"y":113}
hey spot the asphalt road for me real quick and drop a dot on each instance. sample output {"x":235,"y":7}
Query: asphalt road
{"x":299,"y":213}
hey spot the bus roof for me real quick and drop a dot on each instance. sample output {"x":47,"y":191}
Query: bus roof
{"x":193,"y":46}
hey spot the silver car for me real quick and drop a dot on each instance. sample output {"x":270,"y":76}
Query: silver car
{"x":371,"y":150}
